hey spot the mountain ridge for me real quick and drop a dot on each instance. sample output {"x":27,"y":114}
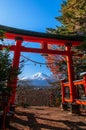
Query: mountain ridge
{"x":38,"y":80}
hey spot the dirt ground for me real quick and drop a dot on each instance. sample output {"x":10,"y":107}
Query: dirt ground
{"x":46,"y":118}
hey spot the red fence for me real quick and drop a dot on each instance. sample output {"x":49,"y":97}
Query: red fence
{"x":65,"y":85}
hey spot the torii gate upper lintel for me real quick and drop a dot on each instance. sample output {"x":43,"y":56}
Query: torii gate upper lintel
{"x":12,"y":33}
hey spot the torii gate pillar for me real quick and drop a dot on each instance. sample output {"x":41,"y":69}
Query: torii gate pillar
{"x":74,"y":108}
{"x":70,"y":73}
{"x":15,"y":64}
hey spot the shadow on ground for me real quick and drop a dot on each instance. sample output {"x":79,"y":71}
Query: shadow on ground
{"x":35,"y":122}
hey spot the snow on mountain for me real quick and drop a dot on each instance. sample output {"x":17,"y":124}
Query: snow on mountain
{"x":38,"y":80}
{"x":40,"y":76}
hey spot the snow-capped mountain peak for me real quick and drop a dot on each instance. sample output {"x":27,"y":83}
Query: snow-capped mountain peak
{"x":40,"y":76}
{"x":38,"y":80}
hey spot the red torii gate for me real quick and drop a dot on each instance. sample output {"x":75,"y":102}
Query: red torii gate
{"x":20,"y":35}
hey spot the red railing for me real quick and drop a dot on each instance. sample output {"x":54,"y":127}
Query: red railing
{"x":75,"y":83}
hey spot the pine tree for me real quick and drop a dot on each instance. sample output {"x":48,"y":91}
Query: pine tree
{"x":5,"y":73}
{"x":73,"y":20}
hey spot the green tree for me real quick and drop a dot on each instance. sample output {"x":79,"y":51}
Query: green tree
{"x":7,"y":74}
{"x":73,"y":18}
{"x":73,"y":22}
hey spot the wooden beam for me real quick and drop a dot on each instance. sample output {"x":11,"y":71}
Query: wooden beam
{"x":81,"y":102}
{"x":36,"y":50}
{"x":32,"y":36}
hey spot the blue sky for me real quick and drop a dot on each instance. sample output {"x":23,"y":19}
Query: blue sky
{"x":35,"y":15}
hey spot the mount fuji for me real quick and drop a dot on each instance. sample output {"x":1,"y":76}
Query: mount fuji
{"x":38,"y":80}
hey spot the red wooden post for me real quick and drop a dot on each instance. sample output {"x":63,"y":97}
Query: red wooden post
{"x":63,"y":91}
{"x":16,"y":64}
{"x":84,"y":77}
{"x":44,"y":45}
{"x":70,"y":73}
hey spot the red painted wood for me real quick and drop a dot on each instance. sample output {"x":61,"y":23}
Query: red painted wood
{"x":67,"y":100}
{"x":41,"y":40}
{"x":76,"y":82}
{"x":63,"y":91}
{"x":84,"y":77}
{"x":37,"y":50}
{"x":81,"y":102}
{"x":70,"y":74}
{"x":15,"y":64}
